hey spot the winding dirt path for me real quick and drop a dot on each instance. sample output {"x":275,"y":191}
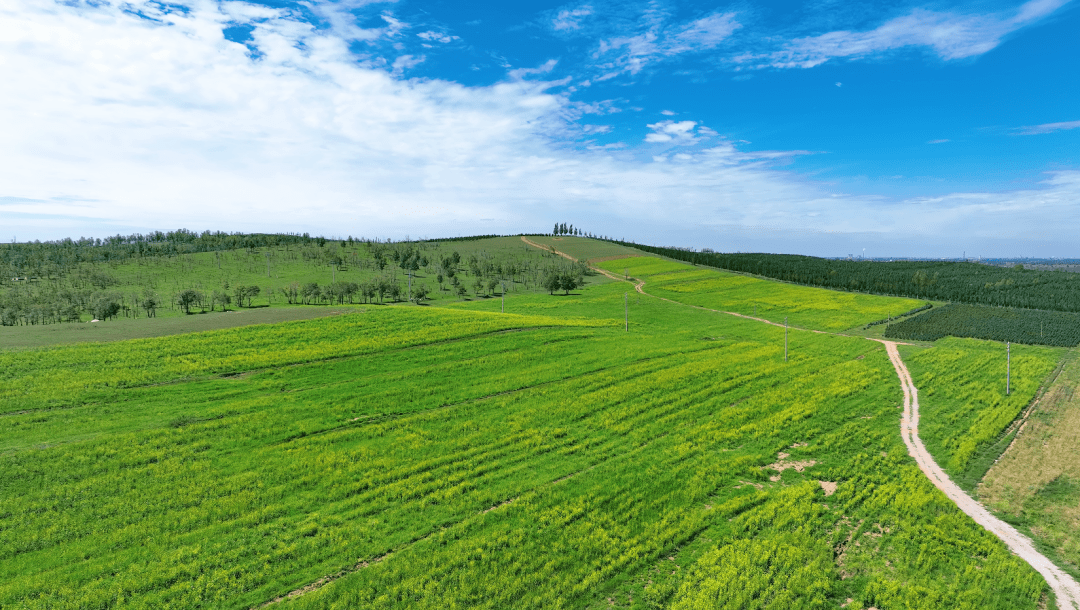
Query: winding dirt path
{"x":1065,"y":587}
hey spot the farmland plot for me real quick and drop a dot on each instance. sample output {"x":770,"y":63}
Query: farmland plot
{"x":447,"y":458}
{"x":806,"y":307}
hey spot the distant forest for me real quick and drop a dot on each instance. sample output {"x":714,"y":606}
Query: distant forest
{"x":933,"y":280}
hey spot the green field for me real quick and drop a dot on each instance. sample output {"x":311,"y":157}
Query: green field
{"x":584,"y":248}
{"x":457,"y":457}
{"x":1035,"y":485}
{"x":803,"y":306}
{"x":965,"y":411}
{"x":43,"y":335}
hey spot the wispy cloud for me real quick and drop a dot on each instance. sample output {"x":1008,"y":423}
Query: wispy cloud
{"x":1047,"y":128}
{"x":405,"y":62}
{"x":950,"y":35}
{"x":570,"y":19}
{"x":544,"y":68}
{"x":136,"y":123}
{"x":433,"y":36}
{"x":942,"y":141}
{"x":660,"y":40}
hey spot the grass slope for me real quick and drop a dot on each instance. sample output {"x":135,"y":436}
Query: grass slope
{"x":805,"y":307}
{"x":964,"y":408}
{"x":1036,"y":484}
{"x":45,"y":335}
{"x":414,"y":457}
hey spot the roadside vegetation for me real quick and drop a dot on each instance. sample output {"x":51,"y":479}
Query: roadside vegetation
{"x":1036,"y":483}
{"x":455,"y":456}
{"x":966,"y":413}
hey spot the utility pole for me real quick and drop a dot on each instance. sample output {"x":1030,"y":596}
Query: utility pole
{"x":267,"y":253}
{"x":333,"y":270}
{"x":785,"y":338}
{"x":1008,"y":367}
{"x":410,"y":285}
{"x":626,"y":310}
{"x":503,"y":297}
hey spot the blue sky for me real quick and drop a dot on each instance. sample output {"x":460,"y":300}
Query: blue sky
{"x":907,"y":128}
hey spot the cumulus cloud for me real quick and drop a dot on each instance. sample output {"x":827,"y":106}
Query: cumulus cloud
{"x":1048,"y":127}
{"x":950,"y":35}
{"x":681,"y":132}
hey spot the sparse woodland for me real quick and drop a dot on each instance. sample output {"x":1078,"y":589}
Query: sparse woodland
{"x":183,"y":273}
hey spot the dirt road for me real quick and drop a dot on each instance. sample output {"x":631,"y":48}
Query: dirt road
{"x":1065,"y":587}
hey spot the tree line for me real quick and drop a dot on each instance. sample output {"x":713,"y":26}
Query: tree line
{"x":960,"y":282}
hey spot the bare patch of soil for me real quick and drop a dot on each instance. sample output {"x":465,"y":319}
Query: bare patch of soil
{"x":782,"y":464}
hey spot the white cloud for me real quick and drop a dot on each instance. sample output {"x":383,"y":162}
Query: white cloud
{"x":596,"y":129}
{"x":114,"y":120}
{"x":667,"y":113}
{"x":570,"y":19}
{"x":937,"y":141}
{"x":338,"y":15}
{"x":681,"y":132}
{"x":950,"y":35}
{"x":544,"y":68}
{"x":1048,"y":127}
{"x":406,"y":62}
{"x":633,"y":53}
{"x":434,"y":36}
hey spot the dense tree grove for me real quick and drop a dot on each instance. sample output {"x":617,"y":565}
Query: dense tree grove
{"x":995,"y":323}
{"x":935,"y":280}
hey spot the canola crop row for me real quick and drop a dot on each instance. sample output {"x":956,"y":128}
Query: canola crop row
{"x":37,"y":379}
{"x":556,"y":466}
{"x":806,"y":307}
{"x":963,"y":402}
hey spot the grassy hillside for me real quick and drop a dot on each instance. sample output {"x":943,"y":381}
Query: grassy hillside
{"x":961,"y":282}
{"x":803,"y":306}
{"x":409,"y":457}
{"x":316,"y":272}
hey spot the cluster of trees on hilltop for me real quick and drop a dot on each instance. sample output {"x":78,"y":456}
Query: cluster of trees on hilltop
{"x":933,"y":280}
{"x":562,"y":228}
